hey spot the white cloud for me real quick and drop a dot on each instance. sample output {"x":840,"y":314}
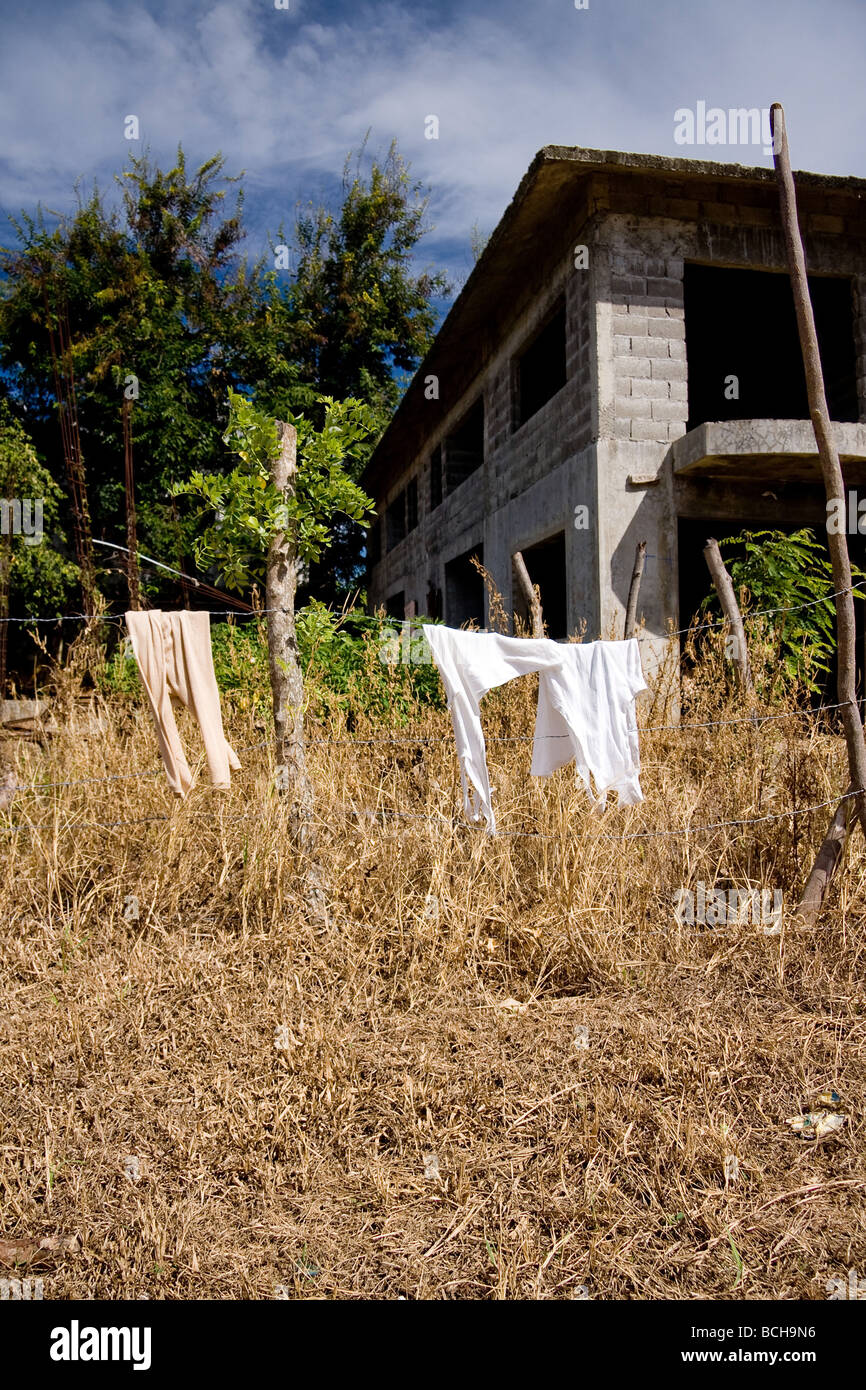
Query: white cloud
{"x":286,"y":95}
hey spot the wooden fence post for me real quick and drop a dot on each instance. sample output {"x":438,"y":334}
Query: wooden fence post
{"x":825,"y":865}
{"x":287,"y":683}
{"x":634,"y":590}
{"x":834,"y":484}
{"x":530,"y":593}
{"x":731,"y":610}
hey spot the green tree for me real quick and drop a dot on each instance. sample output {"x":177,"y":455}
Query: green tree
{"x":154,"y":295}
{"x":261,"y":528}
{"x":162,"y":306}
{"x":33,"y":566}
{"x":243,"y":509}
{"x":353,"y":323}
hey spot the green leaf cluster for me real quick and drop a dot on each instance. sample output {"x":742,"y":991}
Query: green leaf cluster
{"x":781,"y":571}
{"x":348,"y":660}
{"x":243,"y":510}
{"x":36,"y":577}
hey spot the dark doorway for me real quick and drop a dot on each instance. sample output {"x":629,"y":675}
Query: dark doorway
{"x":546,"y":565}
{"x":741,"y":324}
{"x":436,"y":477}
{"x":434,"y":601}
{"x":395,"y":606}
{"x":464,"y":590}
{"x":411,"y":505}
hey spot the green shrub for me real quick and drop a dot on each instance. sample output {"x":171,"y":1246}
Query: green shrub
{"x":775,"y":570}
{"x":354,"y":666}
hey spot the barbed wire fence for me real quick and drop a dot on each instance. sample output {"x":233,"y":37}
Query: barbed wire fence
{"x":753,"y":719}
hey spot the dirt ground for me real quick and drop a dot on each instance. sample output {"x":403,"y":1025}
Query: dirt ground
{"x":411,"y":1060}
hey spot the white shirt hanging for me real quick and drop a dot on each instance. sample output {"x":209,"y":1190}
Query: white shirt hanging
{"x":585,"y":708}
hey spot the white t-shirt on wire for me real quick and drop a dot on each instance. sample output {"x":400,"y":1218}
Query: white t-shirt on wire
{"x":585,"y":708}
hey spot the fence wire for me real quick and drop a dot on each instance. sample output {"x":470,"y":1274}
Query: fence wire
{"x":37,"y":788}
{"x":423,"y":740}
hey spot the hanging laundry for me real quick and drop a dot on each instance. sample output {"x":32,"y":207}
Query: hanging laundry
{"x":175,"y":660}
{"x":585,"y":708}
{"x":470,"y":664}
{"x":586,"y":712}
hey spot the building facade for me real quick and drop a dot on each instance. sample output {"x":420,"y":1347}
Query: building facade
{"x":621,"y":365}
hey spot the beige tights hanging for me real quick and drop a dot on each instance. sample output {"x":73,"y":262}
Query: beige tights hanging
{"x":173,"y":652}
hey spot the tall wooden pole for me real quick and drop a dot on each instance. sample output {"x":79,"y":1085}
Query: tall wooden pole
{"x":287,"y":683}
{"x":831,"y":468}
{"x":67,"y":409}
{"x":825,"y":865}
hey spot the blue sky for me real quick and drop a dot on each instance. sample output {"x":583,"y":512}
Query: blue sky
{"x":286,"y":94}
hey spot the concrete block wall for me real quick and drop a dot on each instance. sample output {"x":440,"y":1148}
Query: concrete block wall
{"x":604,"y":438}
{"x":546,"y":507}
{"x":417,"y":562}
{"x":643,"y":407}
{"x":643,"y":386}
{"x":646,"y":318}
{"x":529,"y":460}
{"x":538,"y":471}
{"x":519,"y":455}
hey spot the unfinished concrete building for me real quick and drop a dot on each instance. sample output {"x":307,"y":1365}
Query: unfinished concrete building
{"x":621,"y":365}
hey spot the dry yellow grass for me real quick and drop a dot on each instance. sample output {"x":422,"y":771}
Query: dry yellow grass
{"x":282,"y":1080}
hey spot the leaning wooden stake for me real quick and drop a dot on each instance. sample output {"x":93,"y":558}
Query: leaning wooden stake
{"x":826,"y":863}
{"x":731,"y":610}
{"x":287,"y":683}
{"x":634,"y":590}
{"x":530,"y":593}
{"x":831,"y":468}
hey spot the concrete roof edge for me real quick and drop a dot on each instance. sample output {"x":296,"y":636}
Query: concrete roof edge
{"x":597,"y":161}
{"x":623,"y":161}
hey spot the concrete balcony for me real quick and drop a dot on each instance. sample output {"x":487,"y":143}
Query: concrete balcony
{"x":781,"y":451}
